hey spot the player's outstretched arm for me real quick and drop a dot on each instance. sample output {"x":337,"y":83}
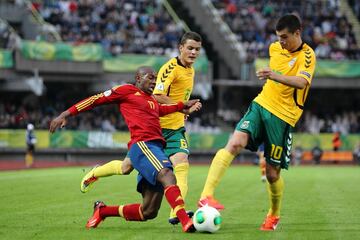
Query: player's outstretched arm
{"x":292,"y":81}
{"x":191,"y":106}
{"x":59,"y":121}
{"x":163,"y":99}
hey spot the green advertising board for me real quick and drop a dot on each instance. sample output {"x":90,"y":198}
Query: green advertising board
{"x":130,"y":62}
{"x":41,"y":50}
{"x":96,"y":139}
{"x":123,"y":63}
{"x":6,"y":59}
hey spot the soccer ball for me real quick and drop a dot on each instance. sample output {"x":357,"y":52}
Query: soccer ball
{"x":207,"y":219}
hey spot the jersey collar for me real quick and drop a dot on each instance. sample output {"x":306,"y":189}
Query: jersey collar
{"x":299,"y":48}
{"x":179,"y":62}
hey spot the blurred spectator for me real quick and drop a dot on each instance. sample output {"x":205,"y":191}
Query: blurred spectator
{"x":297,"y":154}
{"x":336,"y":141}
{"x":356,"y":153}
{"x":119,"y":26}
{"x":325,"y":28}
{"x":355,"y":5}
{"x":8,"y":37}
{"x":316,"y":154}
{"x":30,"y":144}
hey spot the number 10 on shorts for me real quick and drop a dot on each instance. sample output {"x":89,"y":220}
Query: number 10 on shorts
{"x":276,"y":151}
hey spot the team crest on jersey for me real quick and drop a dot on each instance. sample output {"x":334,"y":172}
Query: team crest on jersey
{"x":245,"y":124}
{"x":107,"y":93}
{"x":292,"y":62}
{"x":160,"y":87}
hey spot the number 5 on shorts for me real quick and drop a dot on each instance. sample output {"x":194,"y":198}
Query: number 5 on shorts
{"x":183,"y":143}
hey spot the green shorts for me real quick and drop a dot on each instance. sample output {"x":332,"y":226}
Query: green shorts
{"x":265,"y":127}
{"x":175,"y":141}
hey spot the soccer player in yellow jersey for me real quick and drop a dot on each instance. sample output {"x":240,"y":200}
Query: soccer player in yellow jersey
{"x":271,"y":116}
{"x":175,"y":83}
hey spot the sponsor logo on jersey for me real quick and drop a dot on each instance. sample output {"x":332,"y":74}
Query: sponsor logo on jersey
{"x":107,"y":93}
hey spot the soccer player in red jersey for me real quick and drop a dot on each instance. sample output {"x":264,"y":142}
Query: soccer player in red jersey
{"x":141,"y":112}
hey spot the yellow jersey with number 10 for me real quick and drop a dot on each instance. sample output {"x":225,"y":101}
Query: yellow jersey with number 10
{"x":284,"y":101}
{"x":175,"y":81}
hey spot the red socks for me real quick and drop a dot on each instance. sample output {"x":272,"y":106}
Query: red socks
{"x":109,"y":211}
{"x":173,"y":196}
{"x":133,"y":212}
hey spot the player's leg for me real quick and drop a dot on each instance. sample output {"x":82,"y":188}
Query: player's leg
{"x":29,"y":157}
{"x":148,"y":209}
{"x":262,"y":162}
{"x":130,"y":212}
{"x":173,"y":196}
{"x":277,"y":154}
{"x":218,"y":167}
{"x":181,"y":170}
{"x":150,"y":160}
{"x":248,"y":128}
{"x":114,"y":167}
{"x":177,"y":150}
{"x":262,"y":165}
{"x":275,"y":188}
{"x":152,"y":198}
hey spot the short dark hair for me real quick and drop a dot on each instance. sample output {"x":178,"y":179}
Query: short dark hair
{"x":190,"y":35}
{"x":289,"y":21}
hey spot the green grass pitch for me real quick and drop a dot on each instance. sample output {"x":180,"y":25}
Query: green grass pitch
{"x":319,"y":203}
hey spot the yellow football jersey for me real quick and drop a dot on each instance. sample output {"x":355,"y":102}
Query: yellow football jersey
{"x":175,"y":81}
{"x":281,"y":100}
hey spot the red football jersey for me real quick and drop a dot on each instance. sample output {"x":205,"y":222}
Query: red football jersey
{"x":140,"y":110}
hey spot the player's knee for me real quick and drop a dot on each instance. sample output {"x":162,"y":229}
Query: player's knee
{"x":150,"y":213}
{"x":166,"y":173}
{"x":166,"y":177}
{"x":272,"y":177}
{"x":179,"y":158}
{"x":235,"y":146}
{"x":126,"y":167}
{"x":237,"y":142}
{"x":126,"y":170}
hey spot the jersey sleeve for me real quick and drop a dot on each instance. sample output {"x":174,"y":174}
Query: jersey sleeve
{"x":116,"y":94}
{"x":307,"y":62}
{"x":165,"y":109}
{"x":272,"y":49}
{"x":165,"y":77}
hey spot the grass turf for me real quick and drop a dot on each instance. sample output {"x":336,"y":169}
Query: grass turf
{"x":319,"y":203}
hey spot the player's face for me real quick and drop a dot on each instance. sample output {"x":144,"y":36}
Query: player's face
{"x":147,"y":81}
{"x":189,"y":51}
{"x":287,"y":39}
